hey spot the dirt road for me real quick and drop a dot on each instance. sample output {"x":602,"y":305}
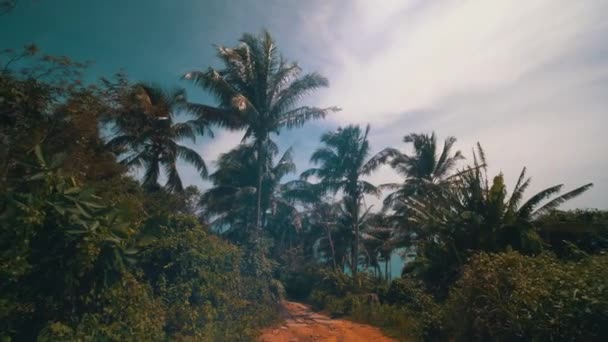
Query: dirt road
{"x":302,"y":324}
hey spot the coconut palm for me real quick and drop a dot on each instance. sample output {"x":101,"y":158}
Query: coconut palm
{"x":423,"y":170}
{"x":323,"y":221}
{"x":231,"y":202}
{"x":476,"y":214}
{"x":259,"y":92}
{"x":342,"y":164}
{"x":379,"y":241}
{"x":145,"y":132}
{"x":502,"y":217}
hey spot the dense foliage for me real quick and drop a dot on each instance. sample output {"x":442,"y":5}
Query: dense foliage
{"x":87,"y":252}
{"x":508,"y":296}
{"x":101,"y":240}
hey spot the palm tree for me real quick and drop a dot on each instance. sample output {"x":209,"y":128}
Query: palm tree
{"x":342,"y":163}
{"x":380,"y":241}
{"x":424,"y":170}
{"x":145,"y":130}
{"x":232,"y":199}
{"x":476,"y":214}
{"x":258,"y":91}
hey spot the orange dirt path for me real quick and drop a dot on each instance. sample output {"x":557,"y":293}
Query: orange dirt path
{"x":303,"y":325}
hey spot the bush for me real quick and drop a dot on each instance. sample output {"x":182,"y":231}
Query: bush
{"x":416,"y":316}
{"x":199,"y":276}
{"x":76,"y":269}
{"x":395,"y":320}
{"x":298,"y":273}
{"x":509,"y":296}
{"x":410,"y":295}
{"x":403,"y":309}
{"x":127,"y":311}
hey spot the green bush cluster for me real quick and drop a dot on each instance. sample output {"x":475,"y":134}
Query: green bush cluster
{"x":402,"y":308}
{"x":509,"y":296}
{"x":498,"y":297}
{"x":77,"y":268}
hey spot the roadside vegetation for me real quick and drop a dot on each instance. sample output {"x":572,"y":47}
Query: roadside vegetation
{"x":100,"y":239}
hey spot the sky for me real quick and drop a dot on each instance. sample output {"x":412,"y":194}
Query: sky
{"x":526,"y":79}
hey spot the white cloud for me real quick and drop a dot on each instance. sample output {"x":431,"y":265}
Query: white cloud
{"x":407,"y":55}
{"x":223,"y":142}
{"x":528,"y":79}
{"x":210,"y":150}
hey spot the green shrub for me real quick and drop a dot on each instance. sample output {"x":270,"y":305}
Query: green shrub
{"x":410,"y":295}
{"x":341,"y":284}
{"x":199,"y":276}
{"x":402,"y":309}
{"x":397,"y":321}
{"x":300,"y":283}
{"x":127,"y":311}
{"x":509,"y":296}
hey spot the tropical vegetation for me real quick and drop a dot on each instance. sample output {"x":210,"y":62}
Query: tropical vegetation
{"x":101,"y":239}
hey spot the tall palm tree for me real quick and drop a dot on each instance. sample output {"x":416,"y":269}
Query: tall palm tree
{"x":342,"y":163}
{"x":259,"y":92}
{"x":231,"y":202}
{"x":423,"y":170}
{"x":145,"y":130}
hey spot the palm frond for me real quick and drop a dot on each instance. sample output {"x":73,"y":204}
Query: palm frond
{"x":369,"y":189}
{"x":174,"y":182}
{"x":184,"y":130}
{"x":561,"y":199}
{"x":193,"y":158}
{"x":227,"y":118}
{"x":281,"y":78}
{"x":309,"y":173}
{"x":285,"y":165}
{"x":119,"y":143}
{"x":152,"y":172}
{"x":518,"y":191}
{"x":379,"y":159}
{"x":527,"y":208}
{"x":299,"y":116}
{"x":300,"y":87}
{"x":445,"y":163}
{"x":323,"y":155}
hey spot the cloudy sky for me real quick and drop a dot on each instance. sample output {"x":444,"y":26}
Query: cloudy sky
{"x":527,"y":79}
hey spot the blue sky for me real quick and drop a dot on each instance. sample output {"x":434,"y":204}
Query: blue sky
{"x":529,"y":80}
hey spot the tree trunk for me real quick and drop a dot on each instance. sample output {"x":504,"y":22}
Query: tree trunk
{"x":355,"y":249}
{"x":258,"y":213}
{"x":256,"y":234}
{"x":331,"y":245}
{"x":386,"y":262}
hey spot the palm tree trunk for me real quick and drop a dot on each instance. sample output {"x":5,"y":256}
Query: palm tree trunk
{"x":386,"y":262}
{"x":355,"y":249}
{"x":256,"y":234}
{"x":258,"y":213}
{"x":331,"y":246}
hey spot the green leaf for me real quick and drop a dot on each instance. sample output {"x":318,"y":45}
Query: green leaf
{"x":57,"y":208}
{"x":92,"y":205}
{"x":38,"y":152}
{"x":37,"y":176}
{"x":57,"y":160}
{"x":72,"y":190}
{"x":86,"y":193}
{"x":95,"y":225}
{"x":112,"y":239}
{"x":76,"y":231}
{"x":82,"y":211}
{"x":131,"y":251}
